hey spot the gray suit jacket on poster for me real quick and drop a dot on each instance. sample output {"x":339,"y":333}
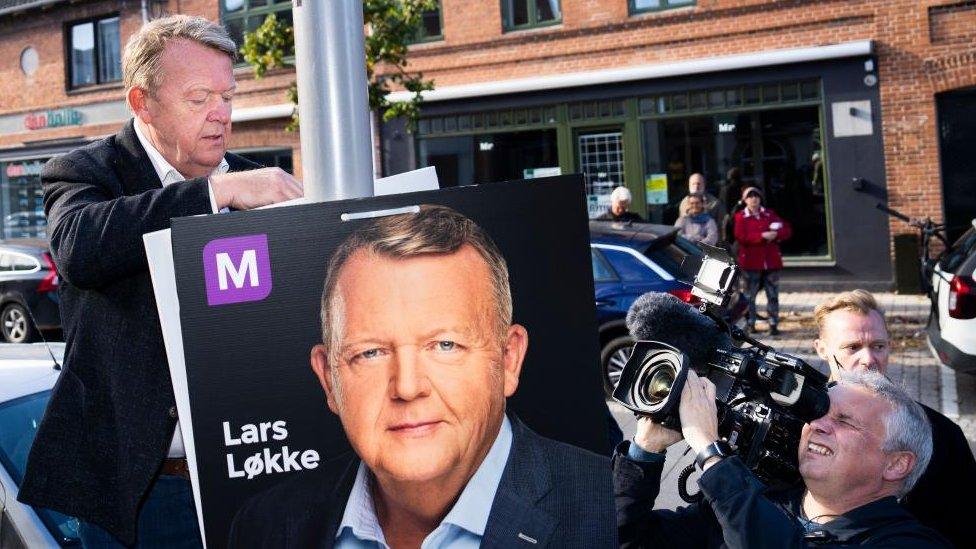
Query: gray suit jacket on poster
{"x":111,"y":417}
{"x":550,"y":492}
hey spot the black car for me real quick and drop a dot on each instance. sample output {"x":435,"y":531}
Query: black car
{"x":28,"y":290}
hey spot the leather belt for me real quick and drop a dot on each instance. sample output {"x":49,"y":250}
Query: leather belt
{"x":176,"y":467}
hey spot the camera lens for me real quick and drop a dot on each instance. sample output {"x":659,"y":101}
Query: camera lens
{"x":657,"y":384}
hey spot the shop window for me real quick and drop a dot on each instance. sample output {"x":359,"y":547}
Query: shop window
{"x":270,"y":158}
{"x":490,"y":157}
{"x":521,"y":14}
{"x":638,"y":6}
{"x":242,"y":16}
{"x":431,"y":26}
{"x":94,"y":52}
{"x":22,"y":199}
{"x":778,"y":150}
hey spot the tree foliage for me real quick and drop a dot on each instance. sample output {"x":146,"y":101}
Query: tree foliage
{"x":391,"y":26}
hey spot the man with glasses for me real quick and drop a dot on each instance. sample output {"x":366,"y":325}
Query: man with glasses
{"x":853,"y":335}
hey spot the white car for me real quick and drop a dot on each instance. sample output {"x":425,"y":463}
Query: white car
{"x":951,"y":329}
{"x":27,"y":375}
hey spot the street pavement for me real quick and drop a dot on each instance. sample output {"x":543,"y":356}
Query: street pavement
{"x":911,"y":364}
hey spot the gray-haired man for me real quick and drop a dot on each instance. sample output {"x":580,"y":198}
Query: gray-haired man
{"x":108,"y":451}
{"x":868,"y":450}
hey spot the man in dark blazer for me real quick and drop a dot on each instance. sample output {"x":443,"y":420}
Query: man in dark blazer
{"x":853,"y":335}
{"x":419,"y":354}
{"x":108,"y":451}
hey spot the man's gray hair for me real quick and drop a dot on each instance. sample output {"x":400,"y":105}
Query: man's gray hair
{"x":907,"y":428}
{"x":434,"y":230}
{"x":143,"y":51}
{"x":621,"y":194}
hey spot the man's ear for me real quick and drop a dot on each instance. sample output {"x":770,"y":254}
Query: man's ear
{"x":137,"y":98}
{"x":516,"y":344}
{"x":821,"y":347}
{"x":320,"y":365}
{"x":898,"y":465}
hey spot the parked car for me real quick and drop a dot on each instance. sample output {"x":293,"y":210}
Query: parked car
{"x":628,"y":261}
{"x":28,"y":290}
{"x":951,"y":329}
{"x":25,"y":388}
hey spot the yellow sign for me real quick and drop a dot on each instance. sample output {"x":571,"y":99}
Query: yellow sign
{"x":656,"y":188}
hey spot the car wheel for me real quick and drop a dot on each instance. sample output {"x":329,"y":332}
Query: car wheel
{"x":16,"y":324}
{"x":613,"y":357}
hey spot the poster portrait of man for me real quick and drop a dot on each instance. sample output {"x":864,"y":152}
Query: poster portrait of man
{"x":396,"y":368}
{"x":419,"y":354}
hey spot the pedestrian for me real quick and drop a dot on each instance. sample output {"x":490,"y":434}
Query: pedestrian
{"x":696,"y":185}
{"x":697,"y":225}
{"x":109,"y":450}
{"x":759,"y":231}
{"x":620,"y":200}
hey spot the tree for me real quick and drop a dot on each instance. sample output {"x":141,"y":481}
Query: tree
{"x":391,"y":25}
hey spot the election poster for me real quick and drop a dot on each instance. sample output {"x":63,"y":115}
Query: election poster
{"x":250,"y":310}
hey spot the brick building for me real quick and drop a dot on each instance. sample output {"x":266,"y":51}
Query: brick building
{"x":800,"y":97}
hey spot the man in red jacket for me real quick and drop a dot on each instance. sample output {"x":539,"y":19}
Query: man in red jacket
{"x":759,"y":231}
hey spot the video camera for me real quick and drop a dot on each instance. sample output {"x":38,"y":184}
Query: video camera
{"x":764,"y":397}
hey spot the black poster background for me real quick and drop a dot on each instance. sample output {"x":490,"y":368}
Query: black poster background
{"x":249,"y":362}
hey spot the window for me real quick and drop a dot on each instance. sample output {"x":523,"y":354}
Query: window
{"x":602,"y":272}
{"x":638,"y":6}
{"x":520,"y":14}
{"x":94,"y":52}
{"x":430,"y":28}
{"x":241,"y":16}
{"x":270,"y":158}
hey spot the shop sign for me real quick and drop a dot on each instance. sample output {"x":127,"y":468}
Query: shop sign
{"x":656,"y":188}
{"x":726,"y":123}
{"x":21,"y":169}
{"x":53,"y":119}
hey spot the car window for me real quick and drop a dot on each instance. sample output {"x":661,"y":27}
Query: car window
{"x":5,"y":263}
{"x":628,"y":267}
{"x":602,"y":271}
{"x":670,"y":257}
{"x":19,"y":420}
{"x":961,"y":249}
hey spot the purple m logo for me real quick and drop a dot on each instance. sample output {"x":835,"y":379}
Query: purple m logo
{"x":237,"y":269}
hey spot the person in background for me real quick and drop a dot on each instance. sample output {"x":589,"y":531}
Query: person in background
{"x":620,"y":200}
{"x":759,"y":231}
{"x":729,"y":195}
{"x":697,"y":225}
{"x":714,"y":206}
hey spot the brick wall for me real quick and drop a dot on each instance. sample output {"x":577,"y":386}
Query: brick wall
{"x":924,"y":47}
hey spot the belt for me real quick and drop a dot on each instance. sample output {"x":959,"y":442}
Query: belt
{"x":176,"y":467}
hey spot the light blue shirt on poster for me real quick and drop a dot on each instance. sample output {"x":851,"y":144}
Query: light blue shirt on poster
{"x":464,"y":525}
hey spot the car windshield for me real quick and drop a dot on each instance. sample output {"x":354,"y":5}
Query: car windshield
{"x":19,"y":420}
{"x":669,"y":251}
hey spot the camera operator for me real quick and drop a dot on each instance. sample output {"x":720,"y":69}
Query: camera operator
{"x":853,"y":335}
{"x":855,"y":461}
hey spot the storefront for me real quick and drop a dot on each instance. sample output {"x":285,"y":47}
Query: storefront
{"x":801,"y":132}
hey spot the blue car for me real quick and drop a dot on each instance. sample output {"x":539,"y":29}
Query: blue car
{"x":629,"y":260}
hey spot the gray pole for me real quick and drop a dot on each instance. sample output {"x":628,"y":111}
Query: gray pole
{"x":330,"y":58}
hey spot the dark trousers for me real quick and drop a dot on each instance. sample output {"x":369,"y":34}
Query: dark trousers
{"x":768,"y":280}
{"x":168,"y":518}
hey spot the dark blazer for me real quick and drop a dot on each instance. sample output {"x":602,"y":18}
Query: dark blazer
{"x":941,"y":499}
{"x":556,"y":494}
{"x":111,"y":417}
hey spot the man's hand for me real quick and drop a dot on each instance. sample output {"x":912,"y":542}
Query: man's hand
{"x":254,"y":188}
{"x":769,"y":235}
{"x":654,"y":437}
{"x":698,"y":412}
